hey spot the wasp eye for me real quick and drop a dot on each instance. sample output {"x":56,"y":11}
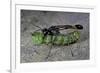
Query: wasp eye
{"x":79,"y":26}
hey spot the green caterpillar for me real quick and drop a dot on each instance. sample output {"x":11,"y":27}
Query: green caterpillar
{"x":61,"y":39}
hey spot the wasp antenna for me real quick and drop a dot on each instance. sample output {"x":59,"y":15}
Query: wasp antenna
{"x":35,"y":31}
{"x":37,"y":26}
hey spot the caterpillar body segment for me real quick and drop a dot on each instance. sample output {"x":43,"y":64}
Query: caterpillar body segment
{"x":61,"y":39}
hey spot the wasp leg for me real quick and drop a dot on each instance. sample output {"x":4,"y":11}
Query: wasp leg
{"x":49,"y":53}
{"x":72,"y":52}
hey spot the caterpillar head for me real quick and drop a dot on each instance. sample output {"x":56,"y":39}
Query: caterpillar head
{"x":80,"y":27}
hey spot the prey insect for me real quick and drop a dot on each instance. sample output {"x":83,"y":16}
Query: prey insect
{"x":53,"y":35}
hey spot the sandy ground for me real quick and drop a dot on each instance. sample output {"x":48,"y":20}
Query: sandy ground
{"x":33,"y":53}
